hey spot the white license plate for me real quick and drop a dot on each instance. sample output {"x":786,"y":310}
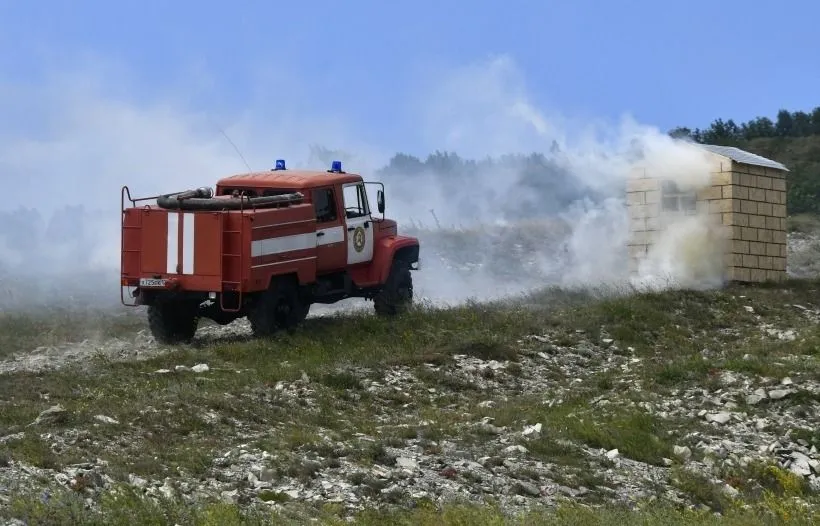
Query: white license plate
{"x":150,"y":282}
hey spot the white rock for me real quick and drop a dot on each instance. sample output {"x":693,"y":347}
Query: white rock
{"x":719,"y":418}
{"x":778,"y":394}
{"x":230,"y":496}
{"x":407,"y":463}
{"x":612,"y":454}
{"x":800,"y":467}
{"x":106,"y":419}
{"x":730,"y":491}
{"x":682,"y":452}
{"x":137,"y":481}
{"x":167,"y":491}
{"x":200,"y":368}
{"x":532,"y":430}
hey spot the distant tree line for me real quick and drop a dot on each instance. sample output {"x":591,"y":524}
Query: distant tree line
{"x":789,"y":124}
{"x":793,"y":138}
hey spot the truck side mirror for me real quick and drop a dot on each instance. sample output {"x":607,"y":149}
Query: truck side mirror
{"x":380,"y":201}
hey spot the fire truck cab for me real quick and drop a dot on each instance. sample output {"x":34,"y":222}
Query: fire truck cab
{"x":264,"y":245}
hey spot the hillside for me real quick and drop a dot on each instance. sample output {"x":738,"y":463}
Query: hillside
{"x":582,"y":407}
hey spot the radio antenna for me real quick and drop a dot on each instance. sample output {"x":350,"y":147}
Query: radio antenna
{"x":235,"y":148}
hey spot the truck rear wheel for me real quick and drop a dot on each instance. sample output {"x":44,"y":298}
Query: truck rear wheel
{"x":397,"y":294}
{"x":281,"y":307}
{"x":172,"y":323}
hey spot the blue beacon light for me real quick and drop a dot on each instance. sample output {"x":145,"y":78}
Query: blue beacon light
{"x":336,"y":166}
{"x":280,"y":164}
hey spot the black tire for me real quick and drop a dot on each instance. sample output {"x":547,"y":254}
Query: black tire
{"x":397,"y":294}
{"x":172,"y":323}
{"x":302,"y":312}
{"x":278,"y":308}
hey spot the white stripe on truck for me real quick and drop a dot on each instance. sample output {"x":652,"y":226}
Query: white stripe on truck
{"x":279,"y":245}
{"x":172,"y":257}
{"x":188,"y":243}
{"x":334,"y":234}
{"x":173,"y":243}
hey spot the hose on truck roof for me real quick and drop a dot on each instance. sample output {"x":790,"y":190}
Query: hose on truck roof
{"x":202,"y":199}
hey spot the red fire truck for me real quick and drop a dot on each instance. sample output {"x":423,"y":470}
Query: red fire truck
{"x":264,"y":245}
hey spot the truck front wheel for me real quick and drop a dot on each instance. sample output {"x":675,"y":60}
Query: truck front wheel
{"x":397,"y":292}
{"x":173,"y":322}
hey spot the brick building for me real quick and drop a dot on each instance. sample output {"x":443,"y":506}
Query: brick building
{"x":746,"y":203}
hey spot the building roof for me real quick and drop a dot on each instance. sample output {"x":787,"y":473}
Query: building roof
{"x":742,"y":156}
{"x":289,"y":179}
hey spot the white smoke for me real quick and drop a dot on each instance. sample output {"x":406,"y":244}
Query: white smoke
{"x":63,"y":166}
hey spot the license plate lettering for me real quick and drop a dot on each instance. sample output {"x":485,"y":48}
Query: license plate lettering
{"x":151,"y":282}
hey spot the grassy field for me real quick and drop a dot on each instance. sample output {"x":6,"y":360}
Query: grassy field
{"x":347,"y":397}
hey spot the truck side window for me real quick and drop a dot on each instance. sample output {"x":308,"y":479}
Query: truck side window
{"x":325,"y":205}
{"x":355,"y":201}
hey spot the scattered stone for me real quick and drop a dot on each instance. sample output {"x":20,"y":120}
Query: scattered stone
{"x":718,"y":418}
{"x":407,"y":463}
{"x":526,"y":488}
{"x":52,"y":415}
{"x":779,"y":394}
{"x":534,"y":430}
{"x":682,"y":452}
{"x":200,"y":368}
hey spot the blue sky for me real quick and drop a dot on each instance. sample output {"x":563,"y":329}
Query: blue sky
{"x":664,"y":63}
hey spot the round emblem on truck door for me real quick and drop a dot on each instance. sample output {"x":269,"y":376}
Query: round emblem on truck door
{"x":358,"y":239}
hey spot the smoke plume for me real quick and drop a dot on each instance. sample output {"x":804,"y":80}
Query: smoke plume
{"x":500,"y":228}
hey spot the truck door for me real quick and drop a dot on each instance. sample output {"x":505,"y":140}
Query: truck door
{"x":359,"y":224}
{"x":330,"y":234}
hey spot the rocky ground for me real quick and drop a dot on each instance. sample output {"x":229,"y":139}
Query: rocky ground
{"x":708,"y":402}
{"x":649,"y":403}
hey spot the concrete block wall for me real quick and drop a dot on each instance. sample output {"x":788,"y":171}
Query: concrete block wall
{"x":755,"y":221}
{"x":643,"y":197}
{"x":748,"y":202}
